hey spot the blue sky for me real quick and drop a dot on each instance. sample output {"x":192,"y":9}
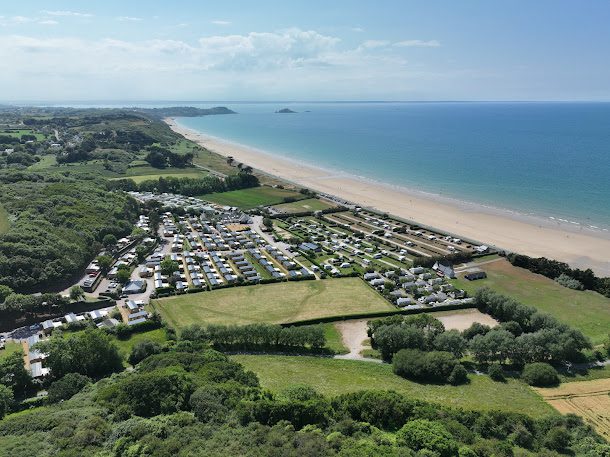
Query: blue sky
{"x":305,"y":50}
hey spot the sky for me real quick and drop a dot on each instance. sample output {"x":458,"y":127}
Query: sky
{"x":304,"y":50}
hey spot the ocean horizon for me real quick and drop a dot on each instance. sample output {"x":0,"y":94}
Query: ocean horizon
{"x":544,"y":159}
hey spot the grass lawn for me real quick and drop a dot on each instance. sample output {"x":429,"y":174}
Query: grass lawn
{"x":20,"y":133}
{"x":144,"y":173}
{"x":309,"y":204}
{"x":46,"y":161}
{"x":585,"y":310}
{"x":252,"y":197}
{"x":125,"y":346}
{"x":334,"y":377}
{"x":9,"y":349}
{"x":274,"y":303}
{"x":4,"y":221}
{"x":334,"y":341}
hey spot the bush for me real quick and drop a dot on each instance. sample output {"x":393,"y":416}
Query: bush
{"x":569,"y":282}
{"x":66,"y":387}
{"x":540,"y":374}
{"x":432,"y":436}
{"x":142,"y":350}
{"x":435,"y":366}
{"x":496,"y":373}
{"x":458,"y":375}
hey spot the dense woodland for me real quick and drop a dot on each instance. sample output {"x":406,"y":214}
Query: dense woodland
{"x":184,"y":399}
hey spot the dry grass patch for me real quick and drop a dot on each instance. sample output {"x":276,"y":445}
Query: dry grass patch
{"x":588,"y":399}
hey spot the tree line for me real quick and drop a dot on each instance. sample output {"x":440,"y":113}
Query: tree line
{"x":187,"y":186}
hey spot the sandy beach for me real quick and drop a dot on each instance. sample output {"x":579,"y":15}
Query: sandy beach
{"x":537,"y":237}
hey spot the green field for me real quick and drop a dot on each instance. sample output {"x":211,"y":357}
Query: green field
{"x":142,"y":173}
{"x":10,"y":348}
{"x":334,"y":377}
{"x":310,"y":204}
{"x":4,"y":221}
{"x":334,"y":341}
{"x":251,"y":198}
{"x":158,"y":336}
{"x":585,"y":310}
{"x":20,"y":133}
{"x":274,"y":303}
{"x":46,"y":161}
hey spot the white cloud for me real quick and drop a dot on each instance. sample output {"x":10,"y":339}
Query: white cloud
{"x":357,"y":29}
{"x":418,"y":44}
{"x":129,"y":19}
{"x":48,"y":22}
{"x":219,"y":22}
{"x":284,"y":63}
{"x":67,"y":13}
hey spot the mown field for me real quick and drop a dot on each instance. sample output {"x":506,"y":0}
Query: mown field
{"x":251,"y":198}
{"x":309,"y":204}
{"x":46,"y":161}
{"x":273,"y":303}
{"x":589,"y":399}
{"x":585,"y":310}
{"x":20,"y":133}
{"x":9,"y":349}
{"x":4,"y":221}
{"x":334,"y":377}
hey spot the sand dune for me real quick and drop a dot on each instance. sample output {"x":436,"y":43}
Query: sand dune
{"x":577,"y":245}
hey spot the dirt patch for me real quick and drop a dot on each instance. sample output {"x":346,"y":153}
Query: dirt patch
{"x":353,"y":335}
{"x":464,"y":318}
{"x":588,"y":399}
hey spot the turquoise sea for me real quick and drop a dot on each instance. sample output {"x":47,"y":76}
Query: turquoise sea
{"x":545,"y":159}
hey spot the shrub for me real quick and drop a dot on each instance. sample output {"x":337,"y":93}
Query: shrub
{"x":458,"y":375}
{"x":433,"y":366}
{"x":496,"y":373}
{"x":66,"y":387}
{"x":569,"y":282}
{"x":142,"y":350}
{"x":432,"y":436}
{"x":540,"y":374}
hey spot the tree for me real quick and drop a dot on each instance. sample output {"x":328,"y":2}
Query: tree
{"x":458,"y":375}
{"x":142,"y":350}
{"x":540,"y":374}
{"x":66,"y":387}
{"x":420,"y":434}
{"x":207,"y":403}
{"x":6,"y":400}
{"x":451,"y":341}
{"x":122,"y":276}
{"x":109,"y":240}
{"x":104,"y":262}
{"x":168,"y":266}
{"x":91,"y":353}
{"x":14,"y":375}
{"x":76,"y":293}
{"x":391,"y":338}
{"x":268,"y":223}
{"x":5,"y":291}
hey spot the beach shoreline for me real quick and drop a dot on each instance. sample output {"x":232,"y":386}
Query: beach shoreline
{"x":578,"y":245}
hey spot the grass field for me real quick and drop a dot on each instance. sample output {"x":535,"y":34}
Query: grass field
{"x":589,"y":399}
{"x":125,"y":346}
{"x":334,"y":377}
{"x":4,"y":221}
{"x":9,"y":349}
{"x":251,"y":198}
{"x":309,"y":204}
{"x":274,"y":303}
{"x":334,"y":340}
{"x":46,"y":161}
{"x":585,"y":310}
{"x":20,"y":133}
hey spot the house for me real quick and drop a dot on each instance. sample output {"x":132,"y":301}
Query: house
{"x":404,"y":301}
{"x":47,"y":327}
{"x":310,"y":247}
{"x":97,"y":315}
{"x":473,"y":275}
{"x":134,"y":287}
{"x":38,"y":371}
{"x":446,"y":269}
{"x":132,"y":306}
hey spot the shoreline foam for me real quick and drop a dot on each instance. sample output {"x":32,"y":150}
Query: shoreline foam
{"x":579,"y":245}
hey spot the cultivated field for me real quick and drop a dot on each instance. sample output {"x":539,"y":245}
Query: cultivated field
{"x":4,"y":222}
{"x":589,"y":399}
{"x":310,"y":204}
{"x":334,"y":377}
{"x":250,"y":198}
{"x":585,"y":310}
{"x":273,"y":303}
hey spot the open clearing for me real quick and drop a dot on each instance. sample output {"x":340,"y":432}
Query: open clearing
{"x":252,"y":197}
{"x":588,"y":399}
{"x":273,"y":303}
{"x":461,"y":319}
{"x":145,"y":173}
{"x":335,"y":377}
{"x":10,"y":348}
{"x":585,"y":310}
{"x":310,"y":204}
{"x":4,"y":221}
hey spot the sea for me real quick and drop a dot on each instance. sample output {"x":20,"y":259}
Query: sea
{"x":541,"y":159}
{"x":547,"y":160}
